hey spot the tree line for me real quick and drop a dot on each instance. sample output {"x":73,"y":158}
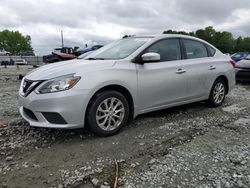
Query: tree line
{"x":224,"y":40}
{"x":14,"y":42}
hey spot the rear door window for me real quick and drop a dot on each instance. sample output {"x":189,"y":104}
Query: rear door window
{"x":194,"y":49}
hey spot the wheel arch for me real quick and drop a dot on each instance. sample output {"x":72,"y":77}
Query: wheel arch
{"x":118,"y":88}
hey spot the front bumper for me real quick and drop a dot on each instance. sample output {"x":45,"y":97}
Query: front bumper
{"x":64,"y":109}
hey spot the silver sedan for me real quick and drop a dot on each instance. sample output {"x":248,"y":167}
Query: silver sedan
{"x":128,"y":77}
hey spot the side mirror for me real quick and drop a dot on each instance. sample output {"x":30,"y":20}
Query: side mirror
{"x":151,"y":57}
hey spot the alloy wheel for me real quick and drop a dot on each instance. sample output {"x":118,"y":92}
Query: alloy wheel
{"x":219,"y":93}
{"x":110,"y":114}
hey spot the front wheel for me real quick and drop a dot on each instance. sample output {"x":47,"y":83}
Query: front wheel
{"x":217,"y":94}
{"x":108,"y":112}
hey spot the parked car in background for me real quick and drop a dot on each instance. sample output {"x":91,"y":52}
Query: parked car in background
{"x":128,"y":77}
{"x":93,"y":48}
{"x":243,"y":70}
{"x":60,"y":54}
{"x":7,"y":61}
{"x":4,"y":53}
{"x":67,"y":53}
{"x":84,"y":55}
{"x":239,"y":56}
{"x":26,"y":53}
{"x":21,"y":62}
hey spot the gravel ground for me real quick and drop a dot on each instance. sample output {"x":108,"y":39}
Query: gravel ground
{"x":187,"y":146}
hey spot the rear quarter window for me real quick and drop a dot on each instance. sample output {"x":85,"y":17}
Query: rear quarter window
{"x":211,"y":51}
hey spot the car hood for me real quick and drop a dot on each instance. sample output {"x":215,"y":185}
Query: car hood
{"x":67,"y":67}
{"x":243,"y":63}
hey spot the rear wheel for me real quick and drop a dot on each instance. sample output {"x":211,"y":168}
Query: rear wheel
{"x":218,"y":93}
{"x":108,"y":113}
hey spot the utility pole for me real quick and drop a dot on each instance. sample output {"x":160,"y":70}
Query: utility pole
{"x":62,"y":38}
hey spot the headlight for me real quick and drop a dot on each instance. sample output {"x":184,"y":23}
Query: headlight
{"x":57,"y":84}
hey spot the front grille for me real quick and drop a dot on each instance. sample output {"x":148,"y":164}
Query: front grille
{"x":29,"y":86}
{"x":30,"y":114}
{"x":54,"y":118}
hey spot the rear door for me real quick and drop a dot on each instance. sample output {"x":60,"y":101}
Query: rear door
{"x":201,"y":69}
{"x":165,"y":82}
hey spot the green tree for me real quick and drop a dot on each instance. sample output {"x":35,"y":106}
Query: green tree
{"x":14,"y":42}
{"x":170,"y":31}
{"x":224,"y":41}
{"x":238,"y":44}
{"x":207,"y":34}
{"x":246,"y":44}
{"x":175,"y":32}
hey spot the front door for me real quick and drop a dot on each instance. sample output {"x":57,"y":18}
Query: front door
{"x":162,"y":83}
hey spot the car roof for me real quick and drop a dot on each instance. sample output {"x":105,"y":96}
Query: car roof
{"x":158,"y":36}
{"x":163,"y":36}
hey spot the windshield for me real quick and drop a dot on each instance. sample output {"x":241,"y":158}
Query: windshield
{"x":247,"y":57}
{"x":236,"y":55}
{"x":119,"y":49}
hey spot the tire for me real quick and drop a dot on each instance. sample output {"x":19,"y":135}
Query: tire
{"x":108,"y":112}
{"x":216,"y":100}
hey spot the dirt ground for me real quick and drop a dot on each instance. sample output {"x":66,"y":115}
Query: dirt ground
{"x":187,"y":146}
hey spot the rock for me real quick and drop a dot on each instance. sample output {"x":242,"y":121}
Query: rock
{"x":227,"y":185}
{"x":9,"y":158}
{"x":2,"y":153}
{"x":99,"y":170}
{"x":36,"y":166}
{"x":152,"y":161}
{"x":243,"y":162}
{"x":121,"y":161}
{"x":95,"y":181}
{"x":105,"y":183}
{"x":3,"y":125}
{"x":4,"y":185}
{"x":240,"y":184}
{"x":105,"y":186}
{"x":133,"y":165}
{"x":218,"y":184}
{"x":25,"y":165}
{"x":60,"y":186}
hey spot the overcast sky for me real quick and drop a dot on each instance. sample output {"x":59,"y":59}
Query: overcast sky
{"x":101,"y":21}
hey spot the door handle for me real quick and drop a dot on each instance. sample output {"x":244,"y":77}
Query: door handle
{"x":212,"y":67}
{"x":180,"y":71}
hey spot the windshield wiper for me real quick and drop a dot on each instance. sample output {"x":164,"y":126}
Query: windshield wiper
{"x":92,"y":58}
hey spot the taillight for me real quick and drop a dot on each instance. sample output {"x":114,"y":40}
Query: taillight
{"x":233,"y":63}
